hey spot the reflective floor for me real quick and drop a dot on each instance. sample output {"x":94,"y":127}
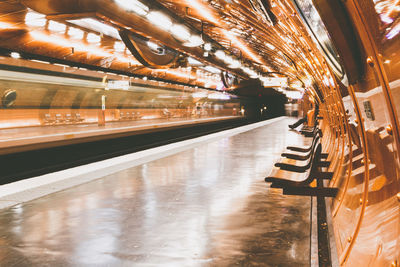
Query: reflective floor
{"x":206,"y":206}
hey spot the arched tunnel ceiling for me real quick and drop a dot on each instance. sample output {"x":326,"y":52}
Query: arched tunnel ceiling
{"x":266,"y":40}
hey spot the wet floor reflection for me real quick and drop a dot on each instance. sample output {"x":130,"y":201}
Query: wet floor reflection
{"x":207,"y":206}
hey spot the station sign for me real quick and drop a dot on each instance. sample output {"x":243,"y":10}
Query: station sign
{"x":275,"y":82}
{"x":118,"y":84}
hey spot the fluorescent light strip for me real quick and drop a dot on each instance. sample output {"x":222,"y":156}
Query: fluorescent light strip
{"x":194,"y":40}
{"x":35,"y":19}
{"x":180,"y":32}
{"x":119,"y":46}
{"x":93,"y":38}
{"x":220,"y":54}
{"x":78,"y":46}
{"x":193,"y":61}
{"x":159,"y":19}
{"x":55,"y":26}
{"x":212,"y":69}
{"x":75,"y":33}
{"x":97,"y":26}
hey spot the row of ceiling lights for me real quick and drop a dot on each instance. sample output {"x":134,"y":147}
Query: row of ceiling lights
{"x":164,"y":22}
{"x":158,"y":18}
{"x":38,"y":20}
{"x":183,"y":33}
{"x":34,"y":19}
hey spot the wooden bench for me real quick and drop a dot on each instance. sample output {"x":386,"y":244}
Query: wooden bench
{"x":59,"y":118}
{"x":47,"y":119}
{"x":309,"y":131}
{"x":307,"y":157}
{"x":304,"y":153}
{"x":68,"y":118}
{"x":78,"y":117}
{"x":305,"y":174}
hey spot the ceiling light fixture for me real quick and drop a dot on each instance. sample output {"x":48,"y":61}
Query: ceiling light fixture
{"x":119,"y":46}
{"x":220,"y":54}
{"x":193,"y":61}
{"x":75,"y":33}
{"x":35,"y":19}
{"x":207,"y":47}
{"x":235,"y":64}
{"x":212,"y":69}
{"x":160,"y":20}
{"x":180,"y":32}
{"x":93,"y":38}
{"x":55,"y":26}
{"x":97,"y":26}
{"x":194,"y":40}
{"x":228,"y":60}
{"x":134,"y":6}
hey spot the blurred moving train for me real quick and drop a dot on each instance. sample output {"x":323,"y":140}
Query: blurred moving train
{"x":343,"y":55}
{"x":32,"y":99}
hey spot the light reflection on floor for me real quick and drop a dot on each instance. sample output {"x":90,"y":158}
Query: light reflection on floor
{"x":206,"y":206}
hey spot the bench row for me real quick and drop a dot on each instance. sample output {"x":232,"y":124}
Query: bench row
{"x":305,"y":176}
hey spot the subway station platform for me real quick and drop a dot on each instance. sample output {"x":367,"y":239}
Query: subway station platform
{"x":26,"y":138}
{"x":204,"y":205}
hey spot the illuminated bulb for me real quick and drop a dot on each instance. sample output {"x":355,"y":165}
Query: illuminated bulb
{"x":134,"y":6}
{"x":55,"y":26}
{"x":228,"y":60}
{"x":193,"y":61}
{"x":207,"y":47}
{"x":220,"y":54}
{"x":35,"y":19}
{"x":194,"y":40}
{"x":93,"y":38}
{"x":15,"y":55}
{"x":235,"y":64}
{"x":212,"y":69}
{"x":180,"y":32}
{"x":75,"y":33}
{"x":119,"y":46}
{"x":270,"y":46}
{"x":246,"y":70}
{"x":160,"y":20}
